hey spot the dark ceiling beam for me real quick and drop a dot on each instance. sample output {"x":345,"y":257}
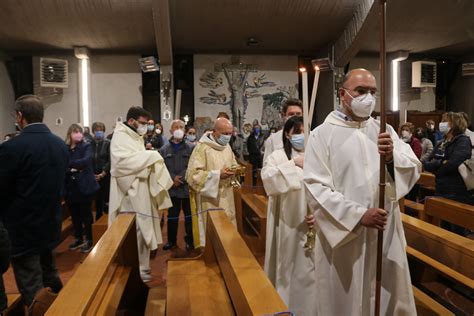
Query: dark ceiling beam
{"x":352,"y":38}
{"x":162,"y":26}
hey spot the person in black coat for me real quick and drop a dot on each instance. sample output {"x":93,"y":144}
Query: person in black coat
{"x":32,"y":170}
{"x":101,"y":161}
{"x":4,"y":263}
{"x":444,"y":164}
{"x":255,"y":143}
{"x":81,"y":187}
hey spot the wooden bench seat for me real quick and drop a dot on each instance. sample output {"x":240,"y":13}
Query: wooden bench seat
{"x":225,"y":280}
{"x":196,"y":289}
{"x":427,"y":180}
{"x":438,"y":208}
{"x":108,"y":279}
{"x":156,"y":302}
{"x":439,"y":261}
{"x":414,"y":207}
{"x":99,"y":227}
{"x":451,"y":250}
{"x":13,"y":303}
{"x":251,"y":215}
{"x":426,"y":306}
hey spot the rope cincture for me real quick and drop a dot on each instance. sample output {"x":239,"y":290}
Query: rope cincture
{"x":212,"y":209}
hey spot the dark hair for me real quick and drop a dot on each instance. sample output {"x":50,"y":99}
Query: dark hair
{"x":31,"y":108}
{"x":291,"y":102}
{"x":295,"y":123}
{"x":421,"y":133}
{"x":136,"y":111}
{"x":97,"y":125}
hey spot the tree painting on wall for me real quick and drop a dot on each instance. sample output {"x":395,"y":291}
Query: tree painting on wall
{"x":234,"y":84}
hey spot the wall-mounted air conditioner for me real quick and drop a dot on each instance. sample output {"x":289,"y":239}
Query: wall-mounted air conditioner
{"x":423,"y":74}
{"x":468,"y":69}
{"x":53,"y":73}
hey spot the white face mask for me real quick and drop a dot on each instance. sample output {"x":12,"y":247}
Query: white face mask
{"x":406,"y":135}
{"x":158,"y":131}
{"x":178,"y":134}
{"x":362,"y":105}
{"x":142,"y":129}
{"x":444,"y":127}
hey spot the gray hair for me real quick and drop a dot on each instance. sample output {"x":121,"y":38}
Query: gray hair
{"x":180,"y":122}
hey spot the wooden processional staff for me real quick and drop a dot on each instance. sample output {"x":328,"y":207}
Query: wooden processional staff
{"x":383,"y":119}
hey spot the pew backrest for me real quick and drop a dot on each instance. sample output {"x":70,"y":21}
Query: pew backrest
{"x":249,"y":288}
{"x":115,"y":257}
{"x":461,"y":214}
{"x":449,"y":249}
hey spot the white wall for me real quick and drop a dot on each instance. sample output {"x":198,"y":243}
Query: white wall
{"x":65,"y":106}
{"x":114,"y":87}
{"x":7,"y":103}
{"x":411,"y":99}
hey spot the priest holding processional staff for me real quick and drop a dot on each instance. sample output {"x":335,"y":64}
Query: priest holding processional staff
{"x":341,"y":173}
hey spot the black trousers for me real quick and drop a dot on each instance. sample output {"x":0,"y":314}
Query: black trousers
{"x":4,"y":263}
{"x":102,"y":198}
{"x":173,"y":214}
{"x":81,"y":214}
{"x":256,"y":161}
{"x":35,"y":272}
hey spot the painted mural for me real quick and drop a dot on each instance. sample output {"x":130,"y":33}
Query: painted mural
{"x":249,"y":88}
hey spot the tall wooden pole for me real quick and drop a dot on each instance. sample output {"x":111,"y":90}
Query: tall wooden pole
{"x":378,"y":277}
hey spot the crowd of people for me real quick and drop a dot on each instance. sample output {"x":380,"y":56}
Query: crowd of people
{"x":329,"y":182}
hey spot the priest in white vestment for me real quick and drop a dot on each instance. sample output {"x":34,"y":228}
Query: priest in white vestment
{"x":288,"y":265}
{"x":341,"y":175}
{"x":209,"y":177}
{"x":139,"y":184}
{"x":290,"y":107}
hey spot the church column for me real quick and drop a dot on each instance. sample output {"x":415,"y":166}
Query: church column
{"x":162,"y":26}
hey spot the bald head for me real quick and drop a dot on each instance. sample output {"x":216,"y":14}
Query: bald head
{"x":357,"y":82}
{"x":357,"y":76}
{"x":222,"y":126}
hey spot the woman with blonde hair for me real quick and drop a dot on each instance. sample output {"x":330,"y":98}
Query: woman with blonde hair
{"x":81,"y":186}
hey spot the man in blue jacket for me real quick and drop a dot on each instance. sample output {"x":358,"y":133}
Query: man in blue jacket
{"x":176,"y":154}
{"x":32,"y":171}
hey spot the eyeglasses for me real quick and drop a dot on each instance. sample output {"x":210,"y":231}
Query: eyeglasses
{"x":362,"y":90}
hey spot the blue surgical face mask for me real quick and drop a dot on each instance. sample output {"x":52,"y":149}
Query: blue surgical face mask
{"x":191,"y":138}
{"x":224,"y":139}
{"x":257,"y":130}
{"x":99,"y":134}
{"x":150,"y":128}
{"x":297,"y":141}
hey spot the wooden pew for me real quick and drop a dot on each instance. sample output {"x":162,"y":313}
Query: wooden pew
{"x":438,"y":208}
{"x":99,"y":227}
{"x":251,"y":216}
{"x":156,"y":302}
{"x":108,"y":280}
{"x":247,"y":183}
{"x":427,"y":180}
{"x":427,"y":306}
{"x":412,"y":207}
{"x":225,"y":280}
{"x":439,"y":259}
